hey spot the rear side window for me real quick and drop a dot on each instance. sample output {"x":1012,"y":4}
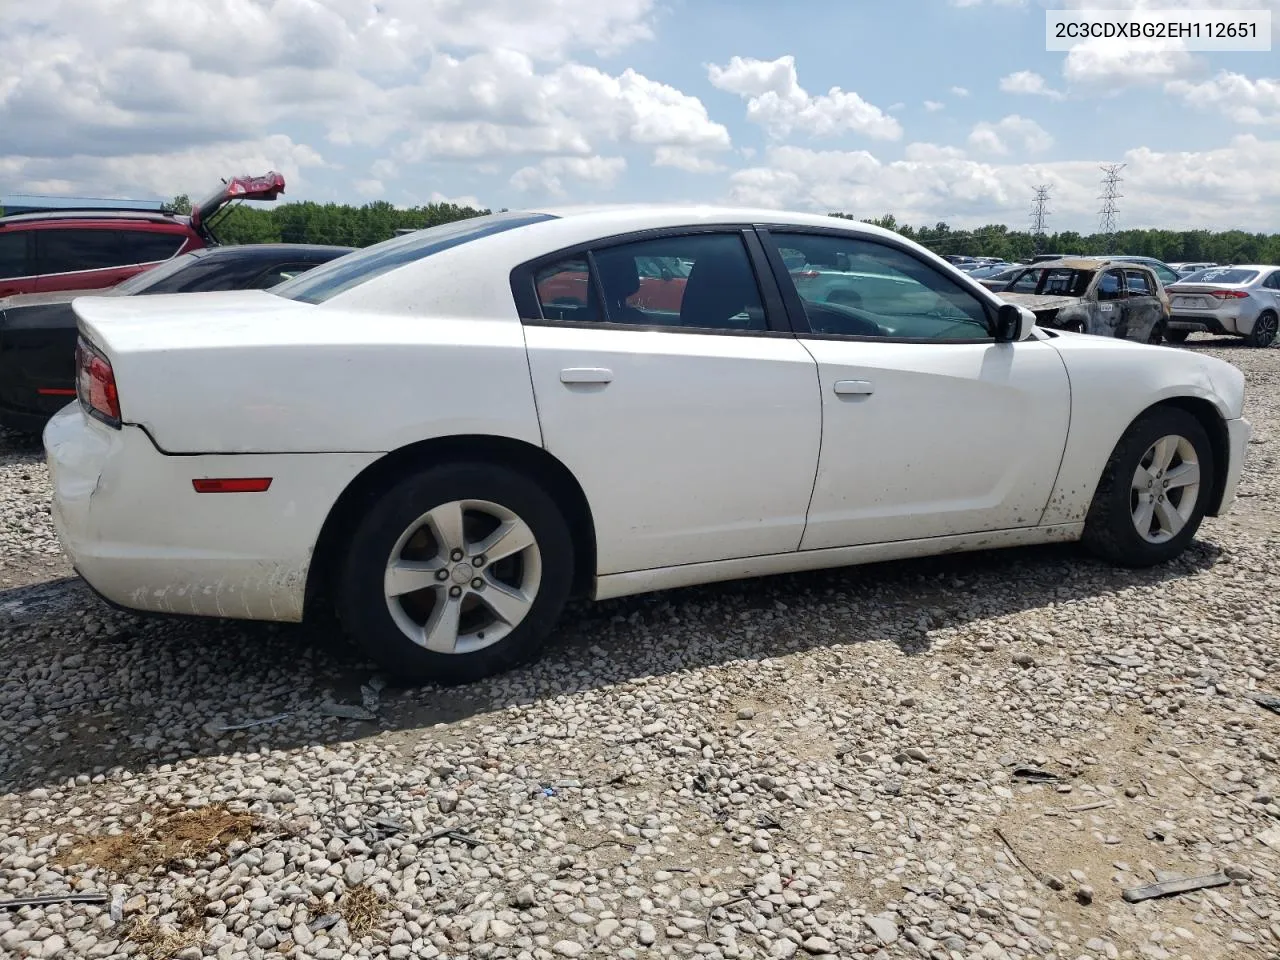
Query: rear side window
{"x":700,"y":281}
{"x":13,"y":255}
{"x":338,"y":276}
{"x":69,"y":251}
{"x":1110,"y":286}
{"x":148,"y":246}
{"x":1138,"y":284}
{"x":1273,"y":281}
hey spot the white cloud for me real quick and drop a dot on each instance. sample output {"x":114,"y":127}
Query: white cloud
{"x":933,"y":106}
{"x":959,"y":91}
{"x":682,"y":158}
{"x":1025,"y":81}
{"x":995,"y":3}
{"x":425,"y":79}
{"x":1115,"y":63}
{"x":777,"y":102}
{"x":1230,"y":187}
{"x":548,"y":176}
{"x":1012,"y":132}
{"x":1234,"y":96}
{"x":369,"y":188}
{"x":463,"y":201}
{"x":191,"y":170}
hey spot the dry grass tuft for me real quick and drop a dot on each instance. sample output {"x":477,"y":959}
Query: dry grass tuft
{"x":167,"y":840}
{"x":362,"y":908}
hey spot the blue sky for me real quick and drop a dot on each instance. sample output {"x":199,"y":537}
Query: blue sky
{"x":930,"y":109}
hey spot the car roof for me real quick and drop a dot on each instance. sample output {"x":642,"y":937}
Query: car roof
{"x":92,"y":216}
{"x":632,"y":216}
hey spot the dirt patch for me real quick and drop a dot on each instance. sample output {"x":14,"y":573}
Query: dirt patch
{"x":163,"y":842}
{"x":157,"y":941}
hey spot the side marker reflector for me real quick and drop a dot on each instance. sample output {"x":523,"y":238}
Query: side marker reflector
{"x":232,"y":485}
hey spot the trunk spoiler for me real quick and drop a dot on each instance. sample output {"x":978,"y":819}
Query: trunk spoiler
{"x":266,"y":187}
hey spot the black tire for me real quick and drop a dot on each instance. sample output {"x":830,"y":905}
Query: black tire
{"x":361,"y":601}
{"x":1177,"y":336}
{"x":1264,"y":330}
{"x":1110,"y":532}
{"x":1157,"y":333}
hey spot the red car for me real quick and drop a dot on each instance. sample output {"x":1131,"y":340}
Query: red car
{"x":93,"y":249}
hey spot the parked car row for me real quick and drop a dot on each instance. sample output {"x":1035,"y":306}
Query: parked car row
{"x":94,"y":249}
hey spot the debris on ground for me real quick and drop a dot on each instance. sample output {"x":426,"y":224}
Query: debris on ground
{"x":1168,"y":888}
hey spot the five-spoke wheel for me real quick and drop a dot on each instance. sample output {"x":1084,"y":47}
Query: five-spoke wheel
{"x":456,"y":573}
{"x":1154,"y":490}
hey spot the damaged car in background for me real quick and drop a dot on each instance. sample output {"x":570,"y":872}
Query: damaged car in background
{"x":1108,"y":298}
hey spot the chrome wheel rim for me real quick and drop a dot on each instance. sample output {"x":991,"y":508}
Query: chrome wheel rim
{"x":462,"y":576}
{"x":1166,"y":486}
{"x":1265,"y":329}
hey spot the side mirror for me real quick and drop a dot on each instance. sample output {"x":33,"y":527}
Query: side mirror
{"x":1013,"y":323}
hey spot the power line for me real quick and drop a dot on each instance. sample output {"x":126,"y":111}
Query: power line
{"x":1110,"y":194}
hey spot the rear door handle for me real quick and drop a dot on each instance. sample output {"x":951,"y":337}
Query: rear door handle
{"x":854,"y":388}
{"x":586,"y":375}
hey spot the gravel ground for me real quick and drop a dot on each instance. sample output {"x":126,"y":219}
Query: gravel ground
{"x":969,"y":757}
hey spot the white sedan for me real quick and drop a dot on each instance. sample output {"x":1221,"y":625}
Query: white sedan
{"x":447,"y":435}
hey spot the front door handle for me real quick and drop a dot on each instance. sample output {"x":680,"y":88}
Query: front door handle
{"x":586,"y":375}
{"x":854,"y":388}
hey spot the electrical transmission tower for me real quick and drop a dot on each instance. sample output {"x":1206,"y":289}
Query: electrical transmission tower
{"x":1039,"y":214}
{"x":1111,"y":181}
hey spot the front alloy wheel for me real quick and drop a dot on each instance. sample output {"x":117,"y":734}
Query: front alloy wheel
{"x":1166,"y":487}
{"x":1154,"y":490}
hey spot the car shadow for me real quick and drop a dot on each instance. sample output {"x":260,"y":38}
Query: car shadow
{"x":147,"y":689}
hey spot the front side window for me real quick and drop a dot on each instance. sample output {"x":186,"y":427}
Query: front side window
{"x":699,"y":281}
{"x":13,"y":255}
{"x":854,"y":287}
{"x":338,"y":276}
{"x":1138,"y":284}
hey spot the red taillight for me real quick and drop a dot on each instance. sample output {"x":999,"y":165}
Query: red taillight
{"x":96,"y":384}
{"x":1228,"y":294}
{"x":232,"y":485}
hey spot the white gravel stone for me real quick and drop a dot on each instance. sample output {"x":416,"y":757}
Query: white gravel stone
{"x":818,"y":764}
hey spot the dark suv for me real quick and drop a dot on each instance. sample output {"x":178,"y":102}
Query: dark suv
{"x":93,"y":249}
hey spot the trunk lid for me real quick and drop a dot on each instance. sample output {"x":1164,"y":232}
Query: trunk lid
{"x":266,"y":187}
{"x":1199,"y":296}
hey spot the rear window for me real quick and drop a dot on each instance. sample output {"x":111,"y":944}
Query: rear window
{"x":1222,"y":275}
{"x":338,"y":276}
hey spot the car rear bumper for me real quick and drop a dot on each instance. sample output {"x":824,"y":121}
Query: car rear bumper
{"x":1206,"y":322}
{"x":136,"y":530}
{"x":1238,"y":434}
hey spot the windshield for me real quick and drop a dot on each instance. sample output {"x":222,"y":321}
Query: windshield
{"x":147,"y":278}
{"x":338,"y":276}
{"x":1053,"y":282}
{"x":1222,"y":275}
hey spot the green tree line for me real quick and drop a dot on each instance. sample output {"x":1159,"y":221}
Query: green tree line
{"x":359,"y":226}
{"x":1171,"y":246}
{"x":329,"y":223}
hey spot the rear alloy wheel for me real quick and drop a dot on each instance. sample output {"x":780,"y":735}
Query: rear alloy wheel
{"x":1154,"y":491}
{"x":456,"y":574}
{"x":1264,"y":330}
{"x":1177,"y":336}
